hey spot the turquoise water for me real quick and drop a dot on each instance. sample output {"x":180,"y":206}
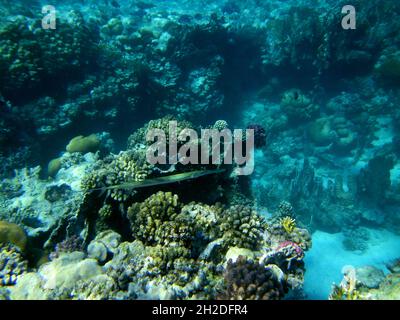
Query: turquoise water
{"x":110,"y":190}
{"x":328,"y":257}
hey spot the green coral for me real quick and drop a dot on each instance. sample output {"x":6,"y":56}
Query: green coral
{"x":288,"y":223}
{"x":83,"y":144}
{"x":220,"y":125}
{"x":14,"y":234}
{"x":158,"y":220}
{"x":104,"y":215}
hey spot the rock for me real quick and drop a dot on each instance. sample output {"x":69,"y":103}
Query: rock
{"x":369,"y":276}
{"x":55,"y":193}
{"x":110,"y":239}
{"x":97,"y":250}
{"x":105,"y":242}
{"x":28,"y":287}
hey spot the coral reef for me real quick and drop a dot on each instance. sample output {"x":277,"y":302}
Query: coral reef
{"x":158,"y":220}
{"x":368,"y":283}
{"x":242,"y":227}
{"x":43,"y":208}
{"x":12,"y":264}
{"x":249,"y":280}
{"x":323,"y":104}
{"x":83,"y":144}
{"x":139,"y":136}
{"x":127,"y":166}
{"x":298,"y":106}
{"x":13,"y":234}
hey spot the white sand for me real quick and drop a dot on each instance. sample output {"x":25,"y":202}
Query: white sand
{"x":327,"y":257}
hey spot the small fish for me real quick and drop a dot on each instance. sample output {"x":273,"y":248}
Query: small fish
{"x":161,"y":180}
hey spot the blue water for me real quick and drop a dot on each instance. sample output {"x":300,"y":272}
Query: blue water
{"x":319,"y":87}
{"x":324,"y":262}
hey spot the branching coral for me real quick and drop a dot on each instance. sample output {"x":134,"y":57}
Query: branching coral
{"x":220,"y":125}
{"x":206,"y":219}
{"x":285,"y":209}
{"x":139,"y":137}
{"x":12,"y":264}
{"x":242,"y":227}
{"x":249,"y":280}
{"x":162,"y":272}
{"x":69,"y":244}
{"x":127,"y":166}
{"x":158,"y":220}
{"x":12,"y":233}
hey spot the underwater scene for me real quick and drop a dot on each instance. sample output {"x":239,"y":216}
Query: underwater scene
{"x":199,"y":150}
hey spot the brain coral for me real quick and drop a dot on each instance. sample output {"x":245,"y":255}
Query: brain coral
{"x":12,"y":233}
{"x":83,"y":144}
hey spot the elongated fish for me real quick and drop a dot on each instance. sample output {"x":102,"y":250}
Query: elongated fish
{"x":161,"y":180}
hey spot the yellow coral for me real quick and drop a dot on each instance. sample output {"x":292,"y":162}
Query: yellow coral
{"x":53,"y":167}
{"x":12,"y":233}
{"x":83,"y":144}
{"x":288,"y":223}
